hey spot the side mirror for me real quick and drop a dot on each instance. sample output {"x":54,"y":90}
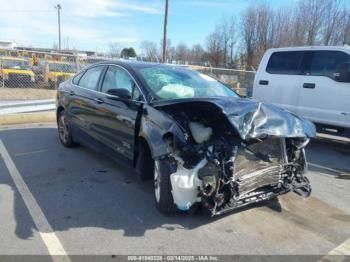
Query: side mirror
{"x":342,"y":73}
{"x":120,"y":92}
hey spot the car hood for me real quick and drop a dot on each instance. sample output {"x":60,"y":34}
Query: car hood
{"x":253,"y":119}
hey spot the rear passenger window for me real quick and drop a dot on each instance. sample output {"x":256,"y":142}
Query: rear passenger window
{"x":287,"y":63}
{"x":90,"y":79}
{"x":325,"y":63}
{"x":77,"y":78}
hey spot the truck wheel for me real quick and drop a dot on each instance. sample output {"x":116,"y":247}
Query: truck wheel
{"x":162,"y":187}
{"x":64,"y":130}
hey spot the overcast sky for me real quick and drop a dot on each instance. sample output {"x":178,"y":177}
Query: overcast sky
{"x":93,"y":24}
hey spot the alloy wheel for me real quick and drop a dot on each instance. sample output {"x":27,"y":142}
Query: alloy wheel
{"x":157,"y":181}
{"x":63,"y":129}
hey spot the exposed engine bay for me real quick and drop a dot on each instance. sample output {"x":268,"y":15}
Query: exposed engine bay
{"x":221,"y":168}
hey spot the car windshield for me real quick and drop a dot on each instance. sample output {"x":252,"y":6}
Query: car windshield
{"x":176,"y":83}
{"x":15,"y":64}
{"x":57,"y":67}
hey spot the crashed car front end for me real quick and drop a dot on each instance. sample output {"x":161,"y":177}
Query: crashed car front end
{"x":228,"y":153}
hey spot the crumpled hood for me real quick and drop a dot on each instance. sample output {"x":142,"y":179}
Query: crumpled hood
{"x":253,"y":119}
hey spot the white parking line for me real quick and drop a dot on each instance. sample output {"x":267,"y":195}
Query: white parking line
{"x":326,"y":168}
{"x":31,"y":152}
{"x":47,"y":234}
{"x":341,"y":250}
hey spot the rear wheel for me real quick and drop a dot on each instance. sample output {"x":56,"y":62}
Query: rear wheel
{"x":162,"y":187}
{"x":64,"y":130}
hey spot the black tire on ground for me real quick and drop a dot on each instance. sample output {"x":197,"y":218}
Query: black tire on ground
{"x":145,"y":162}
{"x":162,"y":187}
{"x":64,"y":130}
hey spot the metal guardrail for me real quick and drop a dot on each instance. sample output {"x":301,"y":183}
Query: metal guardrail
{"x":12,"y":107}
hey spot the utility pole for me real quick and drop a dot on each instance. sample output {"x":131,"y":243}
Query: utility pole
{"x":58,"y":7}
{"x":165,"y":31}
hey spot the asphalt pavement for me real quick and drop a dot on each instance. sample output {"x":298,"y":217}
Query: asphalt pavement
{"x":56,"y":200}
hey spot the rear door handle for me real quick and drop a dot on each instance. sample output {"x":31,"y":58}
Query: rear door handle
{"x":99,"y":100}
{"x":309,"y":85}
{"x":263,"y":82}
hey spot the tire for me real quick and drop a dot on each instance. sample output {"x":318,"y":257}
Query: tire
{"x":64,"y":130}
{"x":145,"y":162}
{"x":162,"y":187}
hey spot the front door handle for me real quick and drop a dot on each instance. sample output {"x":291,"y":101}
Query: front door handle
{"x":99,"y":100}
{"x":71,"y":92}
{"x":263,"y":82}
{"x":309,"y":85}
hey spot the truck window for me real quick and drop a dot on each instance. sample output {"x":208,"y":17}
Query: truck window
{"x":324,"y":63}
{"x":287,"y":63}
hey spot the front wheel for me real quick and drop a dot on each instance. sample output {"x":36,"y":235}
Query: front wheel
{"x":64,"y":130}
{"x":162,"y":187}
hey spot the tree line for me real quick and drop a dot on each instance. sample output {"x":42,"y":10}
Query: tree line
{"x":241,"y":42}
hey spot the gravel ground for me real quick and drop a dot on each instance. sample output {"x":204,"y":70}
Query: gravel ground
{"x":26,"y":93}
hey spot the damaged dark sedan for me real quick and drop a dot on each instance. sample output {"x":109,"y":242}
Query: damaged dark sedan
{"x":201,"y":143}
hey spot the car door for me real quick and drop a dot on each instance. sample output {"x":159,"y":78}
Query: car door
{"x":279,"y":80}
{"x":83,"y":101}
{"x":114,"y":123}
{"x":322,"y":99}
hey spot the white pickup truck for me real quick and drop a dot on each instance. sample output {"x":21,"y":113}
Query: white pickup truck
{"x":313,"y":82}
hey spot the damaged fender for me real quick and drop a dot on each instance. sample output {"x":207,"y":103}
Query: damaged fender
{"x":155,"y":128}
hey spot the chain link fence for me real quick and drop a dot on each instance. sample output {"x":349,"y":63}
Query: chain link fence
{"x":239,"y":80}
{"x":37,"y":73}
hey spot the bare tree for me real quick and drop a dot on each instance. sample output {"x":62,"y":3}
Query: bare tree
{"x":215,"y":49}
{"x":281,"y":27}
{"x":346,"y":28}
{"x":171,"y":54}
{"x":311,"y":13}
{"x":196,"y":54}
{"x":331,"y":20}
{"x":233,"y":38}
{"x":221,"y":42}
{"x":150,"y":51}
{"x":182,"y":53}
{"x":249,"y":34}
{"x":223,"y":29}
{"x":264,"y":30}
{"x":307,"y":22}
{"x":115,"y":49}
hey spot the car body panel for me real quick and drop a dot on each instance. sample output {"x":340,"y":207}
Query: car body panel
{"x":116,"y":126}
{"x":326,"y":103}
{"x":252,"y":119}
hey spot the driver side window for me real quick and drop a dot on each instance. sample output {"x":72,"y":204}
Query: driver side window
{"x":117,"y":78}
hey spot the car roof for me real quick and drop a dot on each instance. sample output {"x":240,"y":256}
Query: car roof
{"x":134,"y":64}
{"x":310,"y":48}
